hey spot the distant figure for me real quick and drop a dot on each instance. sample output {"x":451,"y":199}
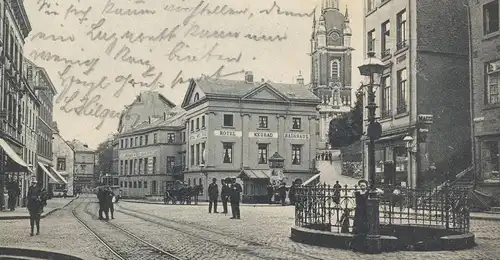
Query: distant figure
{"x":235,"y":198}
{"x":213,"y":194}
{"x":34,"y":206}
{"x":44,"y":196}
{"x":291,"y":193}
{"x":336,"y":192}
{"x":110,"y":200}
{"x":282,"y":193}
{"x":224,"y":195}
{"x":270,"y":192}
{"x":101,"y":196}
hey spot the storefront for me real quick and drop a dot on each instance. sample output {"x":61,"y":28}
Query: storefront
{"x":255,"y":185}
{"x":16,"y":171}
{"x":52,"y":181}
{"x":490,"y":157}
{"x":391,"y":159}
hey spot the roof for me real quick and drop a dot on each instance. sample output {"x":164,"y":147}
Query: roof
{"x":78,"y":146}
{"x":175,"y":118}
{"x":240,"y":88}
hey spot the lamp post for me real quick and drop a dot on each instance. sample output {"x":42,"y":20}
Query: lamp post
{"x":372,"y":68}
{"x":202,"y":168}
{"x":277,"y":163}
{"x":409,"y":141}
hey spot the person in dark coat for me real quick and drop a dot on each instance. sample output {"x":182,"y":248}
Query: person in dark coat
{"x":101,"y":196}
{"x":34,"y":207}
{"x":225,"y":194}
{"x":13,"y":191}
{"x":44,"y":196}
{"x":360,"y":225}
{"x":270,"y":192}
{"x":291,"y":193}
{"x":110,"y":197}
{"x":282,"y":193}
{"x":235,"y":198}
{"x":213,"y":195}
{"x":336,"y":192}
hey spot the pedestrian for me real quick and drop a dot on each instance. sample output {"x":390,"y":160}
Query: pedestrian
{"x":44,"y":196}
{"x":110,"y":196}
{"x":291,"y":193}
{"x":336,"y":192}
{"x":235,"y":198}
{"x":270,"y":192}
{"x":224,"y":195}
{"x":101,"y":196}
{"x":360,"y":225}
{"x":282,"y":193}
{"x":213,"y":194}
{"x":34,"y":207}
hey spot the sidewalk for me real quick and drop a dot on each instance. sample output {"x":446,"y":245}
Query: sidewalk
{"x":201,"y":203}
{"x":493,"y":216}
{"x":53,"y":205}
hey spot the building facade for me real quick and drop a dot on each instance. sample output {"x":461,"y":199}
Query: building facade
{"x":331,"y":67}
{"x":234,"y":127}
{"x":152,"y":155}
{"x":485,"y":67}
{"x":84,"y":164}
{"x":63,"y":161}
{"x":424,"y":89}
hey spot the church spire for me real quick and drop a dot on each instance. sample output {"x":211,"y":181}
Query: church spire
{"x":346,"y":14}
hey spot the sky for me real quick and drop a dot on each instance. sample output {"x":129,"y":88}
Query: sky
{"x":100,"y":54}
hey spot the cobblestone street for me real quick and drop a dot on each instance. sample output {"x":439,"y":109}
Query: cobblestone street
{"x":190,"y":232}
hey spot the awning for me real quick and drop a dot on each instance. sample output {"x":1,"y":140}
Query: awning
{"x":49,"y":174}
{"x":255,"y":174}
{"x":58,"y":175}
{"x":392,"y":137}
{"x":13,"y":155}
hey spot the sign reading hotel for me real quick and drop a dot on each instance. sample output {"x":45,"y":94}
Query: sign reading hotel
{"x":262,"y":135}
{"x":199,"y":135}
{"x":135,"y":155}
{"x":227,"y":133}
{"x":297,"y":136}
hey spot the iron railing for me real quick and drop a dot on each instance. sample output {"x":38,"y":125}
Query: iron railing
{"x":328,"y":208}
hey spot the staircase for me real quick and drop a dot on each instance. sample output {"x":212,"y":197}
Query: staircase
{"x":465,"y":178}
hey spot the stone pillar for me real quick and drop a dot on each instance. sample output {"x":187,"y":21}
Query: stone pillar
{"x":281,"y":133}
{"x":246,"y":144}
{"x":373,"y":242}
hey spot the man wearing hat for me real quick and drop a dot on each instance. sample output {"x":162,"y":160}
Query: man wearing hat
{"x":34,"y":206}
{"x":360,"y":225}
{"x":213,"y":194}
{"x":235,"y":198}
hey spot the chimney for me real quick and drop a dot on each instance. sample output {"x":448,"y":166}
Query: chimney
{"x":262,"y":80}
{"x":149,"y":119}
{"x":86,"y":146}
{"x":164,"y":116}
{"x":249,"y":77}
{"x":300,"y":79}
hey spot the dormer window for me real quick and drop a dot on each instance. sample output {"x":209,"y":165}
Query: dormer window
{"x":196,"y":97}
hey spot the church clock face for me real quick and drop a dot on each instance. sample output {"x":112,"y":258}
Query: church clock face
{"x":334,"y":35}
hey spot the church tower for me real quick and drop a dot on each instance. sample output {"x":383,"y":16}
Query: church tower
{"x":331,"y":65}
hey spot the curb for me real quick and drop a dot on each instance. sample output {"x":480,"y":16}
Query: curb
{"x":492,"y":218}
{"x":10,"y":252}
{"x":45,"y":214}
{"x":204,"y":204}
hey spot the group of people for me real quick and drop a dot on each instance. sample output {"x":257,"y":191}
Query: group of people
{"x":13,"y":191}
{"x":106,"y":199}
{"x":37,"y":200}
{"x":279,"y":191}
{"x":230,"y":192}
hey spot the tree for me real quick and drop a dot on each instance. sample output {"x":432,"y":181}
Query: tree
{"x":348,"y":129}
{"x":104,"y":153}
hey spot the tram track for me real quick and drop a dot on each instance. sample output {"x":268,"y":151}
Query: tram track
{"x":139,"y":251}
{"x":161,"y":222}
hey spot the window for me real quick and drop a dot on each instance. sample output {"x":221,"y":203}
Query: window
{"x":130,"y":171}
{"x":334,"y":69}
{"x":136,"y":143}
{"x":228,"y":152}
{"x":126,"y":143}
{"x":296,"y":123}
{"x":196,"y":97}
{"x":121,"y":167}
{"x":262,"y":149}
{"x":197,"y":154}
{"x":135,"y":184}
{"x":402,"y":92}
{"x":191,"y":155}
{"x":61,"y":164}
{"x":135,"y":167}
{"x":139,"y":184}
{"x":146,"y":140}
{"x":131,"y":142}
{"x":202,"y":122}
{"x":493,"y":82}
{"x":296,"y":148}
{"x":170,"y":138}
{"x":192,"y":125}
{"x":491,"y":156}
{"x":145,"y":167}
{"x":121,"y":142}
{"x":145,"y":184}
{"x":140,"y":141}
{"x":490,"y":17}
{"x":125,"y":168}
{"x":370,"y":5}
{"x":371,"y":41}
{"x":228,"y":120}
{"x":126,"y":184}
{"x":263,"y":122}
{"x":386,"y":33}
{"x":155,"y":138}
{"x":141,"y":167}
{"x":154,"y":165}
{"x":402,"y":36}
{"x":197,"y":123}
{"x":121,"y":184}
{"x":184,"y":137}
{"x":170,"y":164}
{"x":203,"y":153}
{"x":385,"y":102}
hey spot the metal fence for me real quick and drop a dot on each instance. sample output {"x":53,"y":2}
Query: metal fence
{"x":330,"y":208}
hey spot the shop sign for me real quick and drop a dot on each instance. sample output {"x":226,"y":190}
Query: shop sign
{"x":262,"y":135}
{"x":199,"y":135}
{"x":134,"y":155}
{"x":227,"y":133}
{"x":425,"y":119}
{"x":297,"y":136}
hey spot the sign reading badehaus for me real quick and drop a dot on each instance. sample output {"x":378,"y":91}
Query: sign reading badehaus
{"x":227,"y":133}
{"x":262,"y":135}
{"x":297,"y":136}
{"x":199,"y":135}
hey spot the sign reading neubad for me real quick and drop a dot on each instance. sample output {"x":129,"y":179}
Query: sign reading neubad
{"x":263,"y":135}
{"x":297,"y":136}
{"x":227,"y":133}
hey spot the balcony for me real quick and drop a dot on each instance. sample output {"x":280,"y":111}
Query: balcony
{"x":175,"y":170}
{"x":384,"y":114}
{"x":401,"y":109}
{"x":386,"y":53}
{"x":401,"y":44}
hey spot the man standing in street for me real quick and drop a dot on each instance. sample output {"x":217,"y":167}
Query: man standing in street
{"x":34,"y":206}
{"x":235,"y":198}
{"x":225,"y":194}
{"x":270,"y":192}
{"x":213,"y":194}
{"x":110,"y":200}
{"x":101,"y":196}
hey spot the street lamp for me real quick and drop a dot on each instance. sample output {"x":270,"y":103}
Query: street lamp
{"x":202,"y":168}
{"x":277,"y":163}
{"x":372,"y":68}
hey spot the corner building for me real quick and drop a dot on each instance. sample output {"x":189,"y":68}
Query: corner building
{"x":235,"y":126}
{"x":424,"y":90}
